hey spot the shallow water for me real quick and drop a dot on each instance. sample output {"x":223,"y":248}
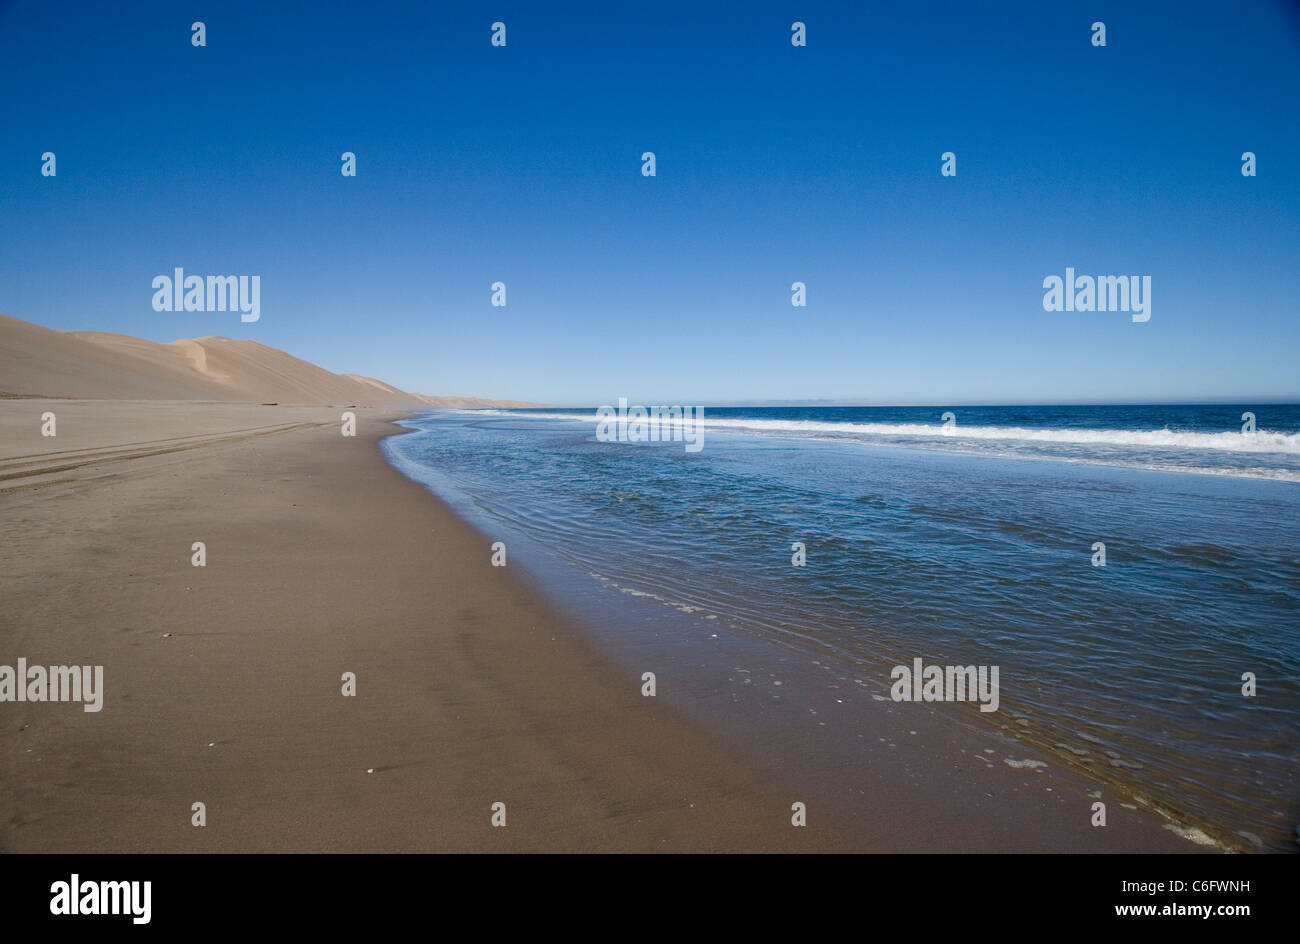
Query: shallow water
{"x":961,"y":548}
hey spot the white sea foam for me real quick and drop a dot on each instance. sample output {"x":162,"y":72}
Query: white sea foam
{"x":1263,"y":441}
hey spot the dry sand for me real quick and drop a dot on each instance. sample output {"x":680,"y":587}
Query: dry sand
{"x":222,"y":683}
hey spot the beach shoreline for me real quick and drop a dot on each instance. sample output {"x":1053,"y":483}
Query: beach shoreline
{"x":797,"y":701}
{"x":223,"y":683}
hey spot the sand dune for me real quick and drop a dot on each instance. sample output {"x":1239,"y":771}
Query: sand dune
{"x":94,"y":365}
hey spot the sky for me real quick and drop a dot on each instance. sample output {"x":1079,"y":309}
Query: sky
{"x":774,"y":164}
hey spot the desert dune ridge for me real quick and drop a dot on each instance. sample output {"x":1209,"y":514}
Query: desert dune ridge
{"x":44,"y":363}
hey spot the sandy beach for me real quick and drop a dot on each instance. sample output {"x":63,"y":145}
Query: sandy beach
{"x":222,"y":683}
{"x":347,"y":671}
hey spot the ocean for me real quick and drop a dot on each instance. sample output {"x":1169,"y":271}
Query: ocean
{"x":972,"y":539}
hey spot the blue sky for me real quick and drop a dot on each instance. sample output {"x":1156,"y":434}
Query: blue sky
{"x":775,"y":164}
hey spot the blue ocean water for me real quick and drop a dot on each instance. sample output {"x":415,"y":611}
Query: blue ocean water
{"x":967,"y":543}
